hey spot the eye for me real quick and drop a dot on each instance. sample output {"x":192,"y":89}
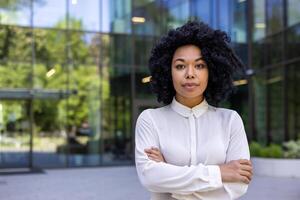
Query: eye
{"x":179,"y":66}
{"x":200,"y":66}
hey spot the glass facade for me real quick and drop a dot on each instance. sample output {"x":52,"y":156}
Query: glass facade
{"x":72,"y":84}
{"x":275,"y":58}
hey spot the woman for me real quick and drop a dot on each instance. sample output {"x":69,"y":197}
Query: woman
{"x":190,"y":149}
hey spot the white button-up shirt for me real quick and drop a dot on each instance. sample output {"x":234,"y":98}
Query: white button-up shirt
{"x":193,"y":141}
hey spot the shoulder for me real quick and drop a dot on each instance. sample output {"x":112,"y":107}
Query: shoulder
{"x":225,"y":114}
{"x":154,"y":114}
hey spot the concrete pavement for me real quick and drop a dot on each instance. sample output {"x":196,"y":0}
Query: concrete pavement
{"x":116,"y":183}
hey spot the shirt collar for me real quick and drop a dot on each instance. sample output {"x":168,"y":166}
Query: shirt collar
{"x":185,"y":111}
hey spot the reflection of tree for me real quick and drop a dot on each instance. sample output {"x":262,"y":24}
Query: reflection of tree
{"x":51,"y":54}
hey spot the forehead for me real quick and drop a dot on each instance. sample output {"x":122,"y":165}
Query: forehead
{"x":187,"y":51}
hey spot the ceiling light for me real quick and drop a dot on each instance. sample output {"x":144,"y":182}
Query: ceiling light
{"x":138,"y":19}
{"x":50,"y":73}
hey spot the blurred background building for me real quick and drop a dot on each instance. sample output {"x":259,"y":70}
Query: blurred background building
{"x":73,"y":73}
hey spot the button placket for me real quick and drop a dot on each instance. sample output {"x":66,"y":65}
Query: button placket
{"x":193,"y":139}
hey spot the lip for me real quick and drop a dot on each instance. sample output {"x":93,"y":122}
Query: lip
{"x":190,"y":86}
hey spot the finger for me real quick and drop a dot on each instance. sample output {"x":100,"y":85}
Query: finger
{"x":245,"y":179}
{"x":244,"y":161}
{"x":154,"y":158}
{"x":155,"y":149}
{"x":147,"y":150}
{"x":247,"y":174}
{"x":154,"y":152}
{"x":247,"y":168}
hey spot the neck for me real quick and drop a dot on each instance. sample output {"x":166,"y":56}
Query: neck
{"x":189,"y":102}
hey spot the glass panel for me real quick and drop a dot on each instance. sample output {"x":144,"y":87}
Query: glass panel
{"x":258,"y":54}
{"x":15,"y":12}
{"x":142,"y":86}
{"x":178,"y":12}
{"x":15,"y":75}
{"x":116,"y":50}
{"x":238,"y":30}
{"x":15,"y":44}
{"x":83,"y":106}
{"x":143,"y":47}
{"x":293,"y":42}
{"x":223,"y":15}
{"x":200,"y":10}
{"x":293,"y":12}
{"x":50,"y":56}
{"x":83,"y":116}
{"x":147,"y":17}
{"x":275,"y":87}
{"x":117,"y":115}
{"x":260,"y":105}
{"x":78,"y":13}
{"x":293,"y":92}
{"x":46,"y":8}
{"x":49,"y":133}
{"x":115,"y":16}
{"x":14,"y":134}
{"x":274,"y":16}
{"x":274,"y":51}
{"x":259,"y":29}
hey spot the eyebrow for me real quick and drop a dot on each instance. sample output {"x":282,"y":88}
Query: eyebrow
{"x":182,"y":60}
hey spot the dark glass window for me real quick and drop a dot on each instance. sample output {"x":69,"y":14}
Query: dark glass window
{"x":274,"y":16}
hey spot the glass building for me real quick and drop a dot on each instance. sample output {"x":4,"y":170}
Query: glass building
{"x":74,"y":73}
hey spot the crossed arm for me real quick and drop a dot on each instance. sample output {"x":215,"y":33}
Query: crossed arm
{"x":233,"y":171}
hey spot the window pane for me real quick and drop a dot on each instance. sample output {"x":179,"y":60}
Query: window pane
{"x":259,"y":19}
{"x":151,"y":12}
{"x":83,"y":116}
{"x":275,"y":87}
{"x":15,"y":12}
{"x":293,"y":12}
{"x":115,"y":16}
{"x":50,"y":135}
{"x":260,"y":105}
{"x":15,"y":44}
{"x":238,"y":30}
{"x":178,"y":12}
{"x":293,"y":42}
{"x":274,"y":16}
{"x":293,"y":92}
{"x":116,"y":50}
{"x":274,"y":51}
{"x":116,"y":123}
{"x":50,"y":55}
{"x":78,"y":13}
{"x":49,"y":13}
{"x":15,"y":133}
{"x":200,"y":10}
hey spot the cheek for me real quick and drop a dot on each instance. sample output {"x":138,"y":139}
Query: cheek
{"x":176,"y":78}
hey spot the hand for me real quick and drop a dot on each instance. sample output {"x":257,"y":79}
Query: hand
{"x":237,"y":171}
{"x":154,"y":154}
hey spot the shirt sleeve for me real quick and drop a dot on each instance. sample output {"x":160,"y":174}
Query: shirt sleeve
{"x":237,"y":149}
{"x":167,"y":178}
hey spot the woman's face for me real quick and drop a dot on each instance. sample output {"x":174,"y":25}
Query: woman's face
{"x":189,"y":74}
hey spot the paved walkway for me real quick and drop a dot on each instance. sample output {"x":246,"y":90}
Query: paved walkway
{"x":116,"y":183}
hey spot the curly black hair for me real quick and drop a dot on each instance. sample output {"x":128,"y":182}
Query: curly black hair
{"x":221,"y":60}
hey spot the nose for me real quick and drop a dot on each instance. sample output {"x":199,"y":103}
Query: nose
{"x":190,"y":73}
